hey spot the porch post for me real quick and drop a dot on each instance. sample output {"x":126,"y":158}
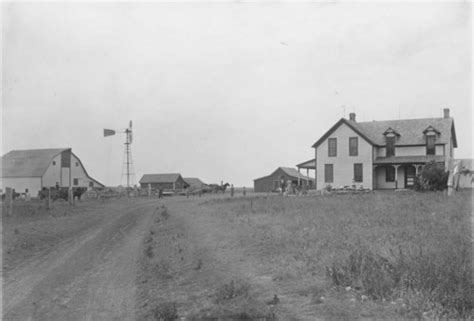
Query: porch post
{"x":396,"y":175}
{"x":374,"y":176}
{"x":307,"y":175}
{"x":299,"y":180}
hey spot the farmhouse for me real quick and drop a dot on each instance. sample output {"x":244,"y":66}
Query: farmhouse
{"x":31,"y":170}
{"x":273,"y":181}
{"x":382,"y":154}
{"x":169,"y":182}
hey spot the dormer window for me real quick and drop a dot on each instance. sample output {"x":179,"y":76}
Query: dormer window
{"x":431,"y":134}
{"x":390,"y":139}
{"x":390,"y":142}
{"x":430,"y":145}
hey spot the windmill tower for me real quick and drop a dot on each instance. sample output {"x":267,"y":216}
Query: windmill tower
{"x":127,"y":167}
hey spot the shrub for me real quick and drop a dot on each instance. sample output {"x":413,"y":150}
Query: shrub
{"x":433,"y":177}
{"x":166,"y":311}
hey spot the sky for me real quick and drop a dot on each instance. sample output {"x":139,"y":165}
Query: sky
{"x":225,"y":91}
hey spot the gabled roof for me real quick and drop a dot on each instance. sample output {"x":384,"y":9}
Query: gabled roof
{"x":28,"y":163}
{"x":290,"y":172}
{"x":194,"y":182}
{"x":160,"y":178}
{"x":336,"y":126}
{"x":410,"y":130}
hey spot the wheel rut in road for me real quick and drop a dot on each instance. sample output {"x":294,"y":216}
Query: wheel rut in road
{"x":93,"y":278}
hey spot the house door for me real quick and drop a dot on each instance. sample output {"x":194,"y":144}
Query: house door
{"x":409,"y":176}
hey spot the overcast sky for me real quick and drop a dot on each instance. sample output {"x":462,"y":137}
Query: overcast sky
{"x":225,"y":91}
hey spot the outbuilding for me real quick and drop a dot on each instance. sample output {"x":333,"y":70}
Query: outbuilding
{"x":272,"y":182}
{"x":29,"y":171}
{"x":165,"y":182}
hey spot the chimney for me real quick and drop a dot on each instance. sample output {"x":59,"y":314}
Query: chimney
{"x":446,"y":112}
{"x":352,"y":116}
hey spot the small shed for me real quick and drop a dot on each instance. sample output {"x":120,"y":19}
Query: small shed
{"x":272,"y":182}
{"x":165,"y":182}
{"x":466,"y":173}
{"x":195,"y":184}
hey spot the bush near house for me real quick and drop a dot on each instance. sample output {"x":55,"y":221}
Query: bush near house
{"x":433,"y":177}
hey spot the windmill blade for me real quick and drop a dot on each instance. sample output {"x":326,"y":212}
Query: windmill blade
{"x":130,"y":125}
{"x":108,"y":132}
{"x":130,"y":136}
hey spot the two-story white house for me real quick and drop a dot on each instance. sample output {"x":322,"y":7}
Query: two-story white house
{"x":382,"y":154}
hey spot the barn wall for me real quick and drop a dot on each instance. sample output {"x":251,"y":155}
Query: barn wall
{"x":179,"y":185}
{"x":20,"y":184}
{"x":52,"y":174}
{"x":79,"y":172}
{"x":343,"y":164}
{"x":156,"y":186}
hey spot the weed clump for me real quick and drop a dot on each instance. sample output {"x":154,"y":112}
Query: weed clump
{"x":166,"y":311}
{"x":426,"y":282}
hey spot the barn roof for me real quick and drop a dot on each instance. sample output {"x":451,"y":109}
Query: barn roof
{"x":160,"y":178}
{"x":290,"y":172}
{"x":28,"y":163}
{"x":410,"y":130}
{"x":194,"y":181}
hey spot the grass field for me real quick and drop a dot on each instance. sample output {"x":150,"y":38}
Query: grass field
{"x":378,"y":255}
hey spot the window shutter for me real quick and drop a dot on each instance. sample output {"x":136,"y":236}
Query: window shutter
{"x":328,"y":173}
{"x":358,"y":173}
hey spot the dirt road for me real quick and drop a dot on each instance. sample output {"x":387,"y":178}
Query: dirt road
{"x":90,"y":276}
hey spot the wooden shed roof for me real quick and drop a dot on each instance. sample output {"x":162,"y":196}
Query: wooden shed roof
{"x":160,"y":178}
{"x":290,"y":172}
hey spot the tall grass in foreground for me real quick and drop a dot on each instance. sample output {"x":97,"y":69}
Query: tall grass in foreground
{"x":413,"y":247}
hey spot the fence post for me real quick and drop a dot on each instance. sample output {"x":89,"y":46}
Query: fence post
{"x":48,"y":202}
{"x":9,"y":201}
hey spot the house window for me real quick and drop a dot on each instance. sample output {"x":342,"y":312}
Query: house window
{"x":390,"y":146}
{"x":91,"y":184}
{"x":353,"y":146}
{"x":77,"y":164}
{"x":430,"y":145}
{"x":328,"y":173}
{"x":332,"y":147}
{"x":389,"y":174}
{"x":76,"y":181}
{"x":358,"y":173}
{"x":54,"y":163}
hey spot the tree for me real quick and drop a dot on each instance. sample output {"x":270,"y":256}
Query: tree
{"x":433,"y":177}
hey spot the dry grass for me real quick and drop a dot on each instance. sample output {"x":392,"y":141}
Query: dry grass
{"x":380,"y":254}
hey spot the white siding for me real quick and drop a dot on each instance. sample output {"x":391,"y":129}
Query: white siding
{"x":53,"y":173}
{"x":410,"y":151}
{"x":380,"y":180}
{"x":20,"y":184}
{"x":343,"y":163}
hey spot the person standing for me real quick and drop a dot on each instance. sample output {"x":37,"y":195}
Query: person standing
{"x":244,"y":191}
{"x":232,"y":190}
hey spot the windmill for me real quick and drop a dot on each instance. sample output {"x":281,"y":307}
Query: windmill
{"x":127,"y":167}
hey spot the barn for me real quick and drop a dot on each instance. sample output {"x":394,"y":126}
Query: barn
{"x":34,"y":169}
{"x":165,"y":182}
{"x":272,"y":182}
